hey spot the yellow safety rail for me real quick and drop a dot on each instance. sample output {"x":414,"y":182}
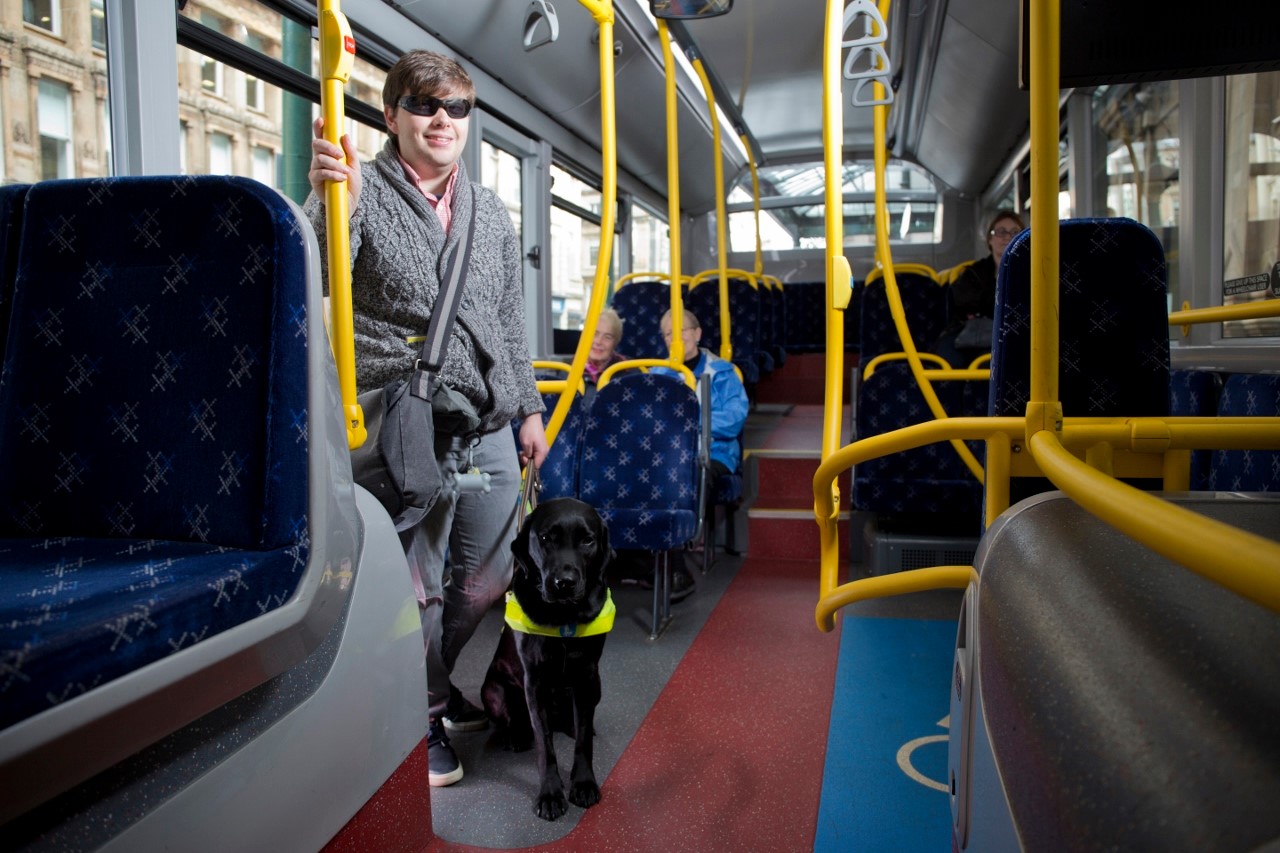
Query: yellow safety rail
{"x":1240,"y":561}
{"x":645,"y":363}
{"x":337,"y":56}
{"x":722,"y":260}
{"x":1189,"y":316}
{"x":602,"y":12}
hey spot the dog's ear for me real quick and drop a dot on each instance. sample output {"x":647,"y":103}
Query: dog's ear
{"x":525,"y":546}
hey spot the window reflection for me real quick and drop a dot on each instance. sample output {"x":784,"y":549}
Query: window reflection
{"x":1139,"y":125}
{"x":1251,"y":203}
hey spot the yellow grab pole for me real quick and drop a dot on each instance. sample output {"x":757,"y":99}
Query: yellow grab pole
{"x":602,"y":12}
{"x":337,"y":56}
{"x":726,"y":345}
{"x":826,"y":508}
{"x":1044,"y":409}
{"x":676,"y":352}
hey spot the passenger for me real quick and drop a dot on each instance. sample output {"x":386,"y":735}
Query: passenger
{"x":603,"y":349}
{"x":728,"y":416}
{"x":972,"y":297}
{"x":405,"y":208}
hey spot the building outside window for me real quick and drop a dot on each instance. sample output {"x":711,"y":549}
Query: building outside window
{"x":45,"y":14}
{"x":54,"y":113}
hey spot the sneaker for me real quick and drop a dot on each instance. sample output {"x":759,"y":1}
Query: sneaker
{"x":443,"y":766}
{"x":462,"y":716}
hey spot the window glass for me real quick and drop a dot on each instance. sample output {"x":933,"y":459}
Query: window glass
{"x":912,"y":199}
{"x":266,"y":129}
{"x":1251,"y":214}
{"x":500,"y":172}
{"x":575,"y":242}
{"x":54,"y":109}
{"x":61,"y":128}
{"x":1139,"y":125}
{"x":97,"y":24}
{"x":650,"y":241}
{"x":43,"y":13}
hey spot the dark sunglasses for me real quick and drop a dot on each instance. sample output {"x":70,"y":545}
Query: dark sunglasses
{"x":425,"y":105}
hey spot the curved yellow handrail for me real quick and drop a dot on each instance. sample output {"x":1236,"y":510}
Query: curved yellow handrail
{"x":899,"y":356}
{"x":602,"y":12}
{"x":651,"y":276}
{"x":904,"y":268}
{"x":706,"y":275}
{"x":644,"y":364}
{"x":1249,"y":568}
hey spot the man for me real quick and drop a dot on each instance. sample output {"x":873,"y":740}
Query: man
{"x":408,"y":209}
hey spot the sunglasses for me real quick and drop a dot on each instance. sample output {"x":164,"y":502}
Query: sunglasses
{"x":425,"y":105}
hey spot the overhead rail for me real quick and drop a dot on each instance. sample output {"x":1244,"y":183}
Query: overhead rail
{"x":1240,"y":561}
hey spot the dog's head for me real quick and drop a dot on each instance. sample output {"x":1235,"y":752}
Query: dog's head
{"x":561,"y":553}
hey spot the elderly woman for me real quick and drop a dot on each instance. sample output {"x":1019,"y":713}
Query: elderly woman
{"x":604,"y":345}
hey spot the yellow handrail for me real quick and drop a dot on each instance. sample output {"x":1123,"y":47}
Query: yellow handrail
{"x":726,"y":343}
{"x":602,"y":12}
{"x":838,"y":292}
{"x":645,"y":363}
{"x":1221,"y":313}
{"x":337,"y":56}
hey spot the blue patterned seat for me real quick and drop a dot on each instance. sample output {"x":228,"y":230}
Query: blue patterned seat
{"x":773,"y":321}
{"x":805,"y":317}
{"x":927,"y":480}
{"x":559,"y":471}
{"x":154,"y":429}
{"x":1195,"y":393}
{"x":640,"y":465}
{"x":744,"y":324}
{"x":641,"y":304}
{"x":1247,"y":395}
{"x":1113,"y":327}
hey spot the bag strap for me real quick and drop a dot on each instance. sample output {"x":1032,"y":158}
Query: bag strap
{"x":436,"y":343}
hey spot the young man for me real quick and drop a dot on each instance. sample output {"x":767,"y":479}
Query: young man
{"x":408,"y":208}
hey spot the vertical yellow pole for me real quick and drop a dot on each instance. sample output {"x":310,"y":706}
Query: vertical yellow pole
{"x":676,"y":353}
{"x":726,"y":345}
{"x":838,"y":280}
{"x":1044,"y":410}
{"x":337,"y":56}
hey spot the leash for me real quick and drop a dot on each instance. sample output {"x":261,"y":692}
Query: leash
{"x":528,"y":494}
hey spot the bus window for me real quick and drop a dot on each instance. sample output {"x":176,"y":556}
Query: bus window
{"x":235,"y":121}
{"x":793,"y":213}
{"x":1139,"y":126}
{"x":1251,"y":203}
{"x":650,"y":241}
{"x":575,"y":240}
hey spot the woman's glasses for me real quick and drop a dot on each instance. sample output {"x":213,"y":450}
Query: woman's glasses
{"x":425,"y":105}
{"x":1006,"y":233}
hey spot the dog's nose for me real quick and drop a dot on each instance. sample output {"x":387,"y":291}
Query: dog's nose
{"x":562,"y":583}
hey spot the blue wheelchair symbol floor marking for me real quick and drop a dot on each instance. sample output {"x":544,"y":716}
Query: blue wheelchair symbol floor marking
{"x":886,"y":761}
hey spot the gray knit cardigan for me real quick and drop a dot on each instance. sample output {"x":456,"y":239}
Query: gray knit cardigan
{"x":396,"y":241}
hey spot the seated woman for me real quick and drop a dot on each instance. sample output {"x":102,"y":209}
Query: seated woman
{"x":603,"y":349}
{"x":973,"y":297}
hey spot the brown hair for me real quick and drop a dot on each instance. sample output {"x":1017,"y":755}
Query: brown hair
{"x":1002,"y":215}
{"x":423,"y":72}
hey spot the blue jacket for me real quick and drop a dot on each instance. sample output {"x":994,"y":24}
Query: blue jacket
{"x":728,"y":407}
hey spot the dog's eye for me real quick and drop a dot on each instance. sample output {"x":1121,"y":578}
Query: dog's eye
{"x":588,"y":539}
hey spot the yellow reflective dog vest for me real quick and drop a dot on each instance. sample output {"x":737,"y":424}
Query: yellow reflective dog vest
{"x":520,"y":621}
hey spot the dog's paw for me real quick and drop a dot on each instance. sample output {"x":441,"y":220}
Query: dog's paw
{"x":585,"y":793}
{"x":550,"y":806}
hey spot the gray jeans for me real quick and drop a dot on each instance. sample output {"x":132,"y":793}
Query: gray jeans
{"x":475,"y":529}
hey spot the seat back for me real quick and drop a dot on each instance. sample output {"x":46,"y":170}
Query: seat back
{"x":1113,"y":328}
{"x":559,"y":471}
{"x":1195,"y":393}
{"x":1247,"y":395}
{"x":744,"y":323}
{"x":640,"y":460}
{"x":641,"y":304}
{"x":924,"y":302}
{"x":804,"y":327}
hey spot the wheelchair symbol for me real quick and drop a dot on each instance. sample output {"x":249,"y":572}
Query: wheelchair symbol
{"x":904,"y":757}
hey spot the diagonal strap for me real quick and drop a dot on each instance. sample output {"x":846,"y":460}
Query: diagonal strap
{"x":455,"y":275}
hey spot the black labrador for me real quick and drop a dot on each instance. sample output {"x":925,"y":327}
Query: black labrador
{"x":548,"y":681}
